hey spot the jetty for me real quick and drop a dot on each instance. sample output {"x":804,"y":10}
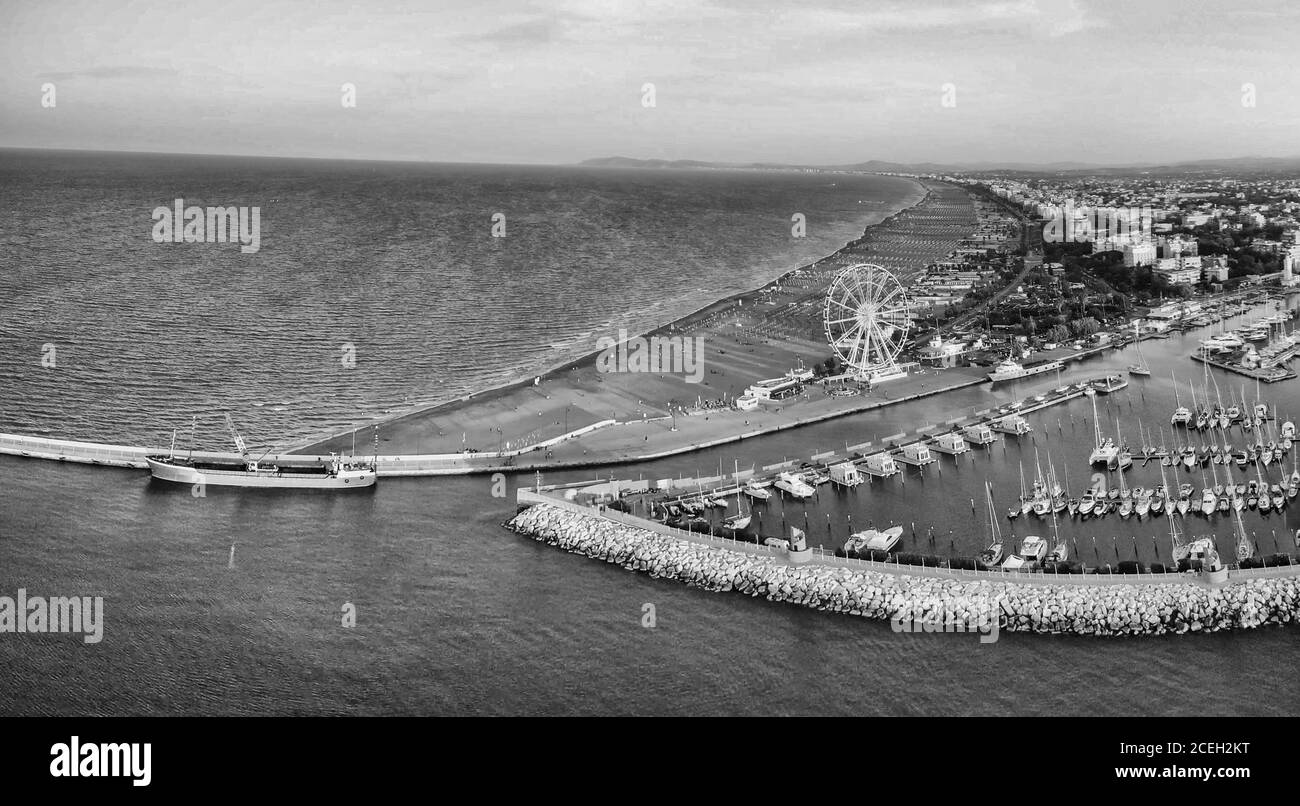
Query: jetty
{"x":1268,"y":374}
{"x":1092,"y":603}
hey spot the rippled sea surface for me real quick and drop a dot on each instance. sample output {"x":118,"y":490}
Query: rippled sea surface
{"x":232,"y":603}
{"x":396,"y":260}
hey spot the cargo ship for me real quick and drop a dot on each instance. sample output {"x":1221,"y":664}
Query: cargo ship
{"x":248,"y":472}
{"x":334,"y":475}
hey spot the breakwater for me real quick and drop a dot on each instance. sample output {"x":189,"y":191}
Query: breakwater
{"x":1179,"y":605}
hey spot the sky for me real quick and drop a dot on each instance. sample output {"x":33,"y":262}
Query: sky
{"x":821,"y":82}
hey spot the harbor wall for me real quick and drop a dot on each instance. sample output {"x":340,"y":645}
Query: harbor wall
{"x":67,"y":450}
{"x":1145,"y":605}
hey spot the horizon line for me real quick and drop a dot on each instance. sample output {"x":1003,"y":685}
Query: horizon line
{"x":582,"y":163}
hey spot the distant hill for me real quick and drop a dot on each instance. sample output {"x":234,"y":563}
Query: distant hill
{"x":1234,"y":165}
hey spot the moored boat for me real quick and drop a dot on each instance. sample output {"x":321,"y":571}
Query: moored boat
{"x":334,"y":475}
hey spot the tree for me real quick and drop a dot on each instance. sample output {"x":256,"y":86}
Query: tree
{"x":1084,"y":327}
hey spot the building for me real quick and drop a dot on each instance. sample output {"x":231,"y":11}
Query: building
{"x":1176,"y":246}
{"x":1172,"y":310}
{"x":1180,"y":276}
{"x":774,"y":389}
{"x":1291,"y":259}
{"x":1139,"y":254}
{"x":1214,"y":269}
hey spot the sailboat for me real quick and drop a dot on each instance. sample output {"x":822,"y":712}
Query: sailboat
{"x":1245,"y":549}
{"x":1042,"y":502}
{"x":1026,"y":503}
{"x":1140,"y":368}
{"x":740,"y":520}
{"x":1123,"y":458}
{"x":1059,"y":552}
{"x":1182,"y":415}
{"x":1265,"y":502}
{"x":991,"y":555}
{"x":1126,"y":500}
{"x":1071,"y":503}
{"x":1106,"y":449}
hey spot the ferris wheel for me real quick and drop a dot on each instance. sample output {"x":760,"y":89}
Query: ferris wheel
{"x":866,"y":318}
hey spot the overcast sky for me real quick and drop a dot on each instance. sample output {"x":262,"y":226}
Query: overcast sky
{"x":815,"y":82}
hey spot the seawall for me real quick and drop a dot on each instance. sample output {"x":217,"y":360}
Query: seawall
{"x":1176,"y":604}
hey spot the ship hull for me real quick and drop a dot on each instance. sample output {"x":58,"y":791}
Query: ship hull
{"x":999,"y":377}
{"x":181,"y":474}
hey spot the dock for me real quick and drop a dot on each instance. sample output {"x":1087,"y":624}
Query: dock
{"x":1271,"y":374}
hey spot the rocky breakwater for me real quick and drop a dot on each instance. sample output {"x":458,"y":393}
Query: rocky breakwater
{"x":1094,"y":609}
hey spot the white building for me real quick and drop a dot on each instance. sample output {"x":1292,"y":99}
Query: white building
{"x":1180,"y":276}
{"x":1139,"y":254}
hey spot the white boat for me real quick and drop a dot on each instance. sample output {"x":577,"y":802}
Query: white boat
{"x":1142,"y":505}
{"x":1245,"y":548}
{"x":991,"y":555}
{"x":1106,"y":449}
{"x":1009,"y":370}
{"x":1199,"y":549}
{"x":1104,"y":453}
{"x":1208,"y":501}
{"x":742,"y":517}
{"x":794,"y":485}
{"x":1108,"y":384}
{"x":755,"y":490}
{"x":1031,"y":553}
{"x":1140,"y":368}
{"x":874,"y":540}
{"x":1058,"y":554}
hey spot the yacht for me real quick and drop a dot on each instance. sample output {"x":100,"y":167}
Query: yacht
{"x":1009,"y":370}
{"x":794,"y":485}
{"x":1031,"y":554}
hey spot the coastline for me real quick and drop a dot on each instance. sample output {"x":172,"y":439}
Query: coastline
{"x":555,"y":371}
